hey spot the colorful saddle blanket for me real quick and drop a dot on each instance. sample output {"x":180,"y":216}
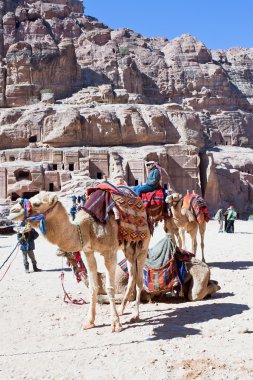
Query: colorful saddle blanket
{"x":196,"y":204}
{"x":99,"y":204}
{"x":133,"y":225}
{"x":154,"y":204}
{"x":103,"y":198}
{"x":164,"y":270}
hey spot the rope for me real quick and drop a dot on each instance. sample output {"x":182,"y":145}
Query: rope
{"x":80,"y":234}
{"x":9,"y":256}
{"x":9,"y":265}
{"x":67,"y":298}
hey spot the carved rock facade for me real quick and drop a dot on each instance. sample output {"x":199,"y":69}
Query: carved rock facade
{"x":116,"y":88}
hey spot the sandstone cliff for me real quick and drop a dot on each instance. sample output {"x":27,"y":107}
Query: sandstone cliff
{"x":118,"y":88}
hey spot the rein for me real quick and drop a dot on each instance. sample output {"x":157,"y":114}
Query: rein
{"x":67,"y":298}
{"x":41,"y":217}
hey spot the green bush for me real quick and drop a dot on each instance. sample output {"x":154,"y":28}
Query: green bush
{"x":243,"y":140}
{"x":124,"y":51}
{"x":46,"y":91}
{"x":33,"y":100}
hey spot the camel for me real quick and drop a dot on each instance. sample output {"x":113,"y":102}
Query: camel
{"x":88,"y":236}
{"x":197,"y":284}
{"x":185,"y":221}
{"x":171,"y":228}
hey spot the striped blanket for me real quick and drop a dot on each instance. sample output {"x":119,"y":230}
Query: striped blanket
{"x":197,"y":205}
{"x":154,"y":204}
{"x":99,"y":204}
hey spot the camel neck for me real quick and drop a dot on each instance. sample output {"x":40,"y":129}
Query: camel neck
{"x":60,"y":230}
{"x":176,"y":210}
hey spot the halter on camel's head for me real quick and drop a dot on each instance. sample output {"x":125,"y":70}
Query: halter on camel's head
{"x":35,"y":209}
{"x":173,"y":199}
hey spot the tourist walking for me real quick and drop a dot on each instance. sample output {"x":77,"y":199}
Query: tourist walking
{"x":219,"y":216}
{"x":231,"y":217}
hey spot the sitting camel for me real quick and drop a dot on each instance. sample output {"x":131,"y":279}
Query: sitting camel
{"x":185,"y":221}
{"x":197,"y":284}
{"x":89,"y":236}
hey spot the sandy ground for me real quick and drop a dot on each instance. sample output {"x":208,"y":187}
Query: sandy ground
{"x":211,"y":339}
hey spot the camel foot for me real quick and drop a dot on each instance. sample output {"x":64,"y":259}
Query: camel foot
{"x":121,"y":311}
{"x":135,"y":319}
{"x":88,"y":325}
{"x":116,"y":326}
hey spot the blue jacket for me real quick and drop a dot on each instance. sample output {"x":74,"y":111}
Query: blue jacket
{"x":27,"y":241}
{"x":154,"y":177}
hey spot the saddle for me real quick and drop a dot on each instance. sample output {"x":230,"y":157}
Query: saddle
{"x":154,"y":204}
{"x":132,"y":220}
{"x":196,"y":204}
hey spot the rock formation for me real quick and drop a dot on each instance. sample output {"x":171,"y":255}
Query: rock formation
{"x":68,"y":80}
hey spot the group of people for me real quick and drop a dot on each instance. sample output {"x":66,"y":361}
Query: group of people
{"x":77,"y":203}
{"x":227,"y":218}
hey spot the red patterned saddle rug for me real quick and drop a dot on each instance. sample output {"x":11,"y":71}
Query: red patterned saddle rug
{"x":155,"y":205}
{"x":197,"y":205}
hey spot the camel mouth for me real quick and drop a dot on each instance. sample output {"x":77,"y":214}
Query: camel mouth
{"x":15,"y":213}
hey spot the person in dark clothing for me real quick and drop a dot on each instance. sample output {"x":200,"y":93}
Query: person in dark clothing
{"x":153,"y":179}
{"x":73,"y":211}
{"x":26,"y":237}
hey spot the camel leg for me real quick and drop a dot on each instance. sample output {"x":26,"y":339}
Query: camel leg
{"x":169,"y":229}
{"x":139,"y":284}
{"x":200,"y":284}
{"x":130,"y":286}
{"x":91,"y":264}
{"x":179,"y":240}
{"x":182,"y":234}
{"x":193,"y":235}
{"x":110,"y":268}
{"x":202,"y":229}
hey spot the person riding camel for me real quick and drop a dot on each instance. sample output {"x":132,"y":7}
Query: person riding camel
{"x":153,"y":179}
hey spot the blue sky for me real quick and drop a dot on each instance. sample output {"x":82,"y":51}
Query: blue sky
{"x":220,"y":24}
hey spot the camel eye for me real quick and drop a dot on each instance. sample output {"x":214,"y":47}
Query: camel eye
{"x":36,"y":204}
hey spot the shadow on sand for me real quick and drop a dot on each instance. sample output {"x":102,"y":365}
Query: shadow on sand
{"x":57,"y":270}
{"x":243,"y":233}
{"x":173,"y":324}
{"x":232,"y":265}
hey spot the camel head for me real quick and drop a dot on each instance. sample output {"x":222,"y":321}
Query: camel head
{"x":40,"y":204}
{"x":173,"y":199}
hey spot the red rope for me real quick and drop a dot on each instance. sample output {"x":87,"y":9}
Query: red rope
{"x":67,"y":298}
{"x":9,"y":265}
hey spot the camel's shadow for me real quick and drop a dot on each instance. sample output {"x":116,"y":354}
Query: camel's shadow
{"x":232,"y":265}
{"x":173,"y":324}
{"x":58,"y":270}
